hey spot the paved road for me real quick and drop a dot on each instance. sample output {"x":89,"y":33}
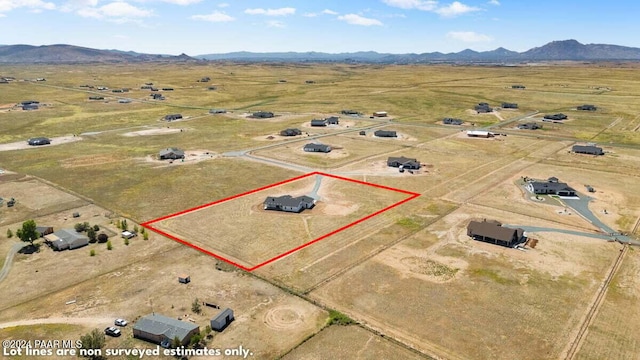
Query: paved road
{"x":8,"y":261}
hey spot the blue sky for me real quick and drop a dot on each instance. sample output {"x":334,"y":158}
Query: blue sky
{"x":199,"y":27}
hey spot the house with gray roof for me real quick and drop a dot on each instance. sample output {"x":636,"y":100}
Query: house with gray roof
{"x":506,"y":105}
{"x":552,"y":187}
{"x":290,"y":132}
{"x":171,"y":153}
{"x":318,"y":122}
{"x":64,"y":239}
{"x":288,"y":203}
{"x":385,"y":133}
{"x":157,"y":328}
{"x":483,"y":107}
{"x":587,"y":149}
{"x":587,"y":107}
{"x":222,"y":320}
{"x":262,"y":114}
{"x":172,"y":117}
{"x":405,"y":163}
{"x":332,"y":120}
{"x":493,"y":232}
{"x":311,"y":147}
{"x":530,"y":126}
{"x":555,"y":117}
{"x":452,"y":121}
{"x":39,"y":141}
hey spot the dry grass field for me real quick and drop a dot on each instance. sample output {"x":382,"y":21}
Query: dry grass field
{"x":411,"y":273}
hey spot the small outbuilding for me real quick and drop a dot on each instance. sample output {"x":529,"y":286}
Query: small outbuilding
{"x":350,"y":112}
{"x":318,"y":122}
{"x":587,"y":107}
{"x":506,"y":105}
{"x":184,"y":278}
{"x":171,"y":153}
{"x":262,"y":115}
{"x":479,"y":133}
{"x":530,"y":126}
{"x":217,"y":111}
{"x":333,"y":120}
{"x":158,"y":328}
{"x":44,"y":230}
{"x":483,"y":107}
{"x":222,"y":320}
{"x":518,"y":86}
{"x":380,"y":114}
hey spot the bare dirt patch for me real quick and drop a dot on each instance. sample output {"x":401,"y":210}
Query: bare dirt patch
{"x":21,"y":145}
{"x":278,"y":137}
{"x":157,"y":131}
{"x":190,"y":157}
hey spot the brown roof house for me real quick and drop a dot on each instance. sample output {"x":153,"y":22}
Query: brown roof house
{"x":493,"y":232}
{"x":161,"y":329}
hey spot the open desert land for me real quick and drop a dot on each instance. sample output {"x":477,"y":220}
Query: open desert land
{"x":409,"y":274}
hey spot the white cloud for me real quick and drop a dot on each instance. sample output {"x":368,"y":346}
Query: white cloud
{"x":425,"y":5}
{"x":223,"y":5}
{"x":309,"y":14}
{"x":329,"y":12}
{"x":271,"y":12}
{"x":469,"y":36}
{"x":355,"y":19}
{"x":275,"y":24}
{"x":182,"y":2}
{"x":216,"y":16}
{"x":494,"y":2}
{"x":118,"y":11}
{"x":8,"y":5}
{"x":454,"y":9}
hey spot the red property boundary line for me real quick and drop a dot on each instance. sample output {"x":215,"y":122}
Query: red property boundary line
{"x":149,"y":226}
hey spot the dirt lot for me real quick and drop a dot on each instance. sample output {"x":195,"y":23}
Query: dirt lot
{"x":349,"y":342}
{"x":21,"y":145}
{"x":340,"y":203}
{"x":157,"y":131}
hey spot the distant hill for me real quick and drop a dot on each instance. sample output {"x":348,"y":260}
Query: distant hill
{"x":60,"y":53}
{"x":556,"y":50}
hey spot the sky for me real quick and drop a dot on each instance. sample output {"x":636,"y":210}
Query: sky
{"x":197,"y":27}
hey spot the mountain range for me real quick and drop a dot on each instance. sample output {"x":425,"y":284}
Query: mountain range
{"x":554,"y":51}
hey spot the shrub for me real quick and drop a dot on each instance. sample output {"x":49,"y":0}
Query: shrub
{"x":10,"y":234}
{"x":126,"y":242}
{"x":135,"y":229}
{"x":92,"y":235}
{"x":109,"y":246}
{"x":338,"y":318}
{"x":96,"y":228}
{"x":145,"y":236}
{"x":79,"y":227}
{"x":195,"y":306}
{"x":92,"y":252}
{"x":102,"y":238}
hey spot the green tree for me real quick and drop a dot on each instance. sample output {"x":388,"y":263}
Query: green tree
{"x":195,"y":306}
{"x":145,"y":236}
{"x":124,"y":225}
{"x":92,"y":235}
{"x":118,"y":224}
{"x":79,"y":227}
{"x":96,"y":228}
{"x":135,"y":229}
{"x":9,"y":234}
{"x":126,"y":241}
{"x":93,"y":340}
{"x":109,"y":246}
{"x":175,"y":343}
{"x":28,"y":232}
{"x":195,"y":341}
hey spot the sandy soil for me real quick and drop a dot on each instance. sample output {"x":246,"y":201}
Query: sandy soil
{"x":157,"y":131}
{"x":21,"y":145}
{"x":190,"y":157}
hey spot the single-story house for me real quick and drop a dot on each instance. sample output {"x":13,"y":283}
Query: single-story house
{"x":318,"y":122}
{"x":530,"y":126}
{"x":587,"y":107}
{"x":116,"y":90}
{"x":158,"y":328}
{"x":145,"y":87}
{"x":309,"y":82}
{"x":44,"y":230}
{"x":350,"y":112}
{"x":317,"y":148}
{"x":483,"y":108}
{"x":171,"y":153}
{"x":167,"y":89}
{"x":4,"y":81}
{"x":96,"y":97}
{"x":506,"y":105}
{"x":557,"y":117}
{"x":522,"y":87}
{"x":552,"y":186}
{"x":212,"y":88}
{"x":205,"y":79}
{"x":290,"y":132}
{"x":172,"y":117}
{"x":262,"y":114}
{"x":380,"y":114}
{"x":29,"y":102}
{"x":30,"y":107}
{"x":452,"y":121}
{"x":64,"y":239}
{"x":148,"y":83}
{"x":39,"y":141}
{"x":217,"y":111}
{"x":479,"y":133}
{"x":288,"y":203}
{"x":333,"y":120}
{"x":222,"y":320}
{"x":587,"y":149}
{"x":156,"y":96}
{"x":494,"y":232}
{"x":385,"y":133}
{"x":124,"y":101}
{"x":362,"y":132}
{"x":405,"y":163}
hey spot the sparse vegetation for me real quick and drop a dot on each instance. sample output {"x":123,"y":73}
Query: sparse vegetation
{"x":9,"y":234}
{"x":92,"y":252}
{"x":93,"y":340}
{"x":109,"y":246}
{"x":338,"y":318}
{"x":196,"y":307}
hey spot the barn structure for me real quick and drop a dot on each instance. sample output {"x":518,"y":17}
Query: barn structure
{"x":493,"y":232}
{"x":158,"y":328}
